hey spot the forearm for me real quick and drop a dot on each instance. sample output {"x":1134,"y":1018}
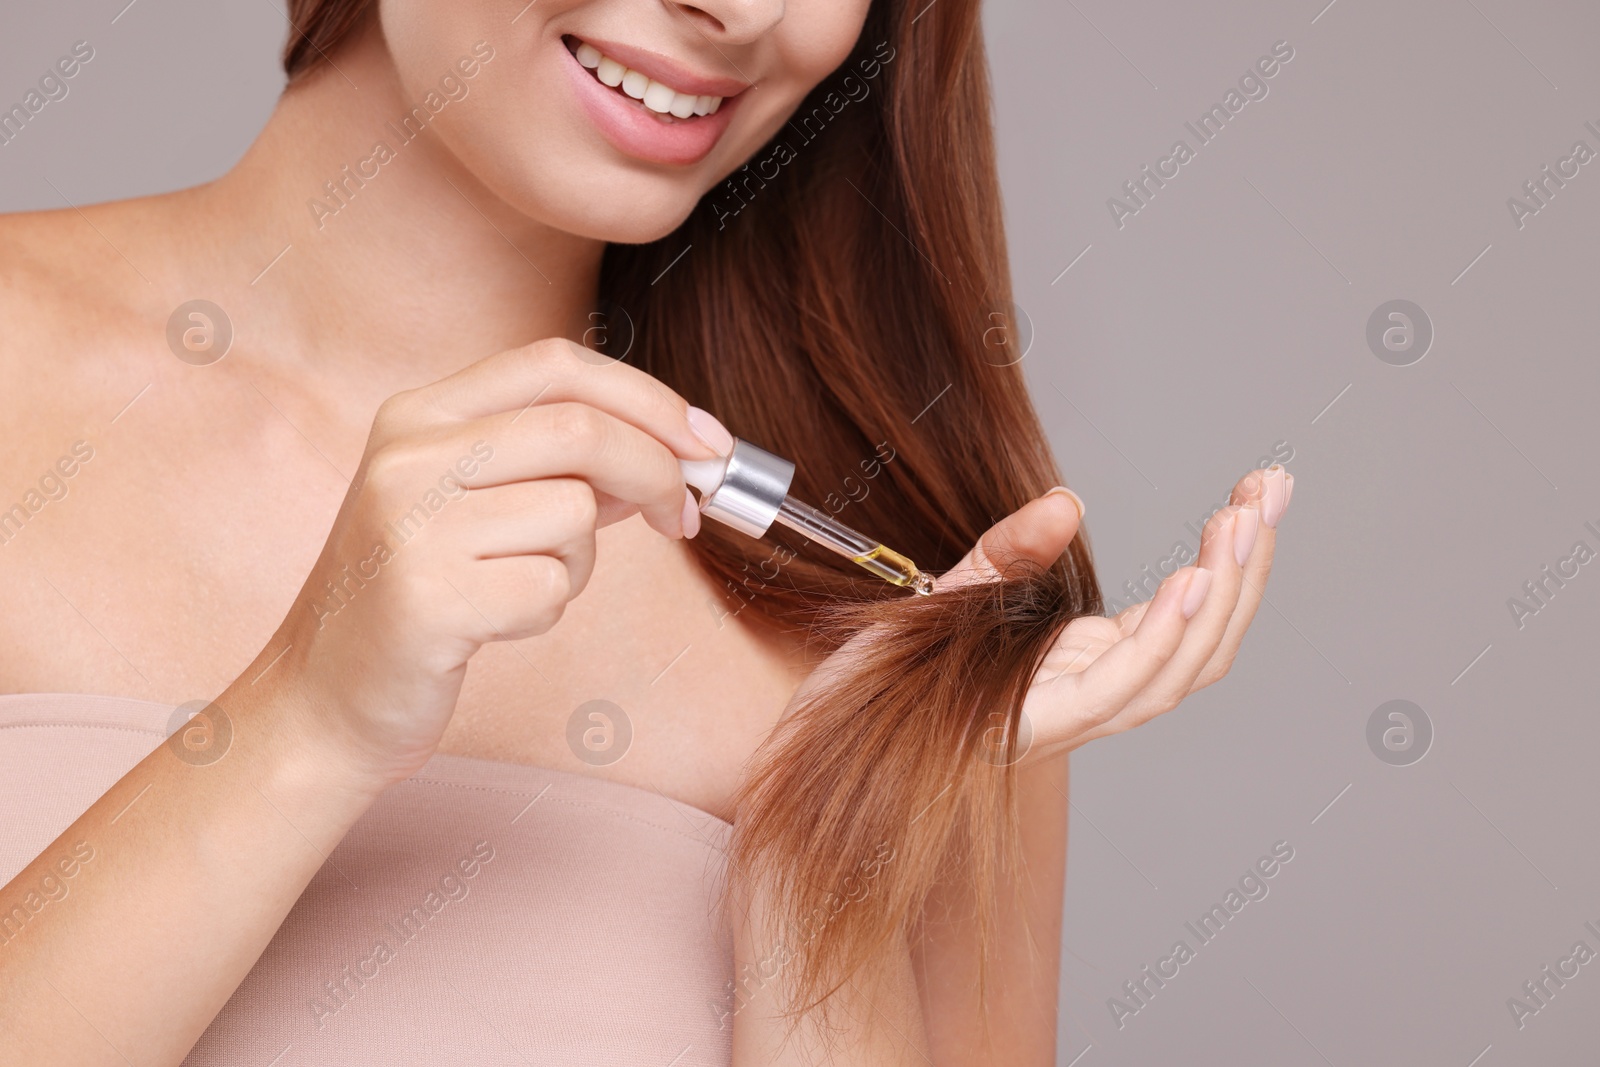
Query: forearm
{"x":1016,"y":1024}
{"x":193,"y":867}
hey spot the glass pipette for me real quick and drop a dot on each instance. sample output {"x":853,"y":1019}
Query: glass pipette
{"x":748,"y":489}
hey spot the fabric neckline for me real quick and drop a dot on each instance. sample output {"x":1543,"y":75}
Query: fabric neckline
{"x":441,"y":768}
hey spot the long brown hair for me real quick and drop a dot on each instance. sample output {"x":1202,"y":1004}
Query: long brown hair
{"x":845,"y":301}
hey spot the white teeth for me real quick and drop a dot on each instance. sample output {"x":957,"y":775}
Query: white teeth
{"x":635,"y":84}
{"x":610,"y":72}
{"x":658,"y":97}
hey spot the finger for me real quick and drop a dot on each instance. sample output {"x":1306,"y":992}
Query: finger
{"x":573,"y":440}
{"x":1254,"y":489}
{"x":1247,"y":490}
{"x":1070,"y":708}
{"x":1176,"y":679}
{"x":1039,"y":532}
{"x":511,"y":597}
{"x":550,"y":517}
{"x":558,"y":370}
{"x":1127,"y":619}
{"x":1274,"y":494}
{"x":1080,"y":643}
{"x":1268,"y":489}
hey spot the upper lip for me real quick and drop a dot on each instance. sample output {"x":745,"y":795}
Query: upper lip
{"x":666,"y":70}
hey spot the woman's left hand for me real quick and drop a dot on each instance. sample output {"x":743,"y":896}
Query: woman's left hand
{"x":1106,"y":675}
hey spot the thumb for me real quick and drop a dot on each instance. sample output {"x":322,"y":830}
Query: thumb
{"x":1039,"y":531}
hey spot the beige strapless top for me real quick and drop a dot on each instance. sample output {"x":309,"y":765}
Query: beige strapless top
{"x":587,"y":932}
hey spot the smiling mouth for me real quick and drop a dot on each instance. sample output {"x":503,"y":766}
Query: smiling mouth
{"x":661,"y":100}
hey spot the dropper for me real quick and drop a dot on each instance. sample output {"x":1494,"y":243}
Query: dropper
{"x":748,"y":489}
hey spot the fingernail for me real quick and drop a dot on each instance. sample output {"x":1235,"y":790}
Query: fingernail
{"x":1272,"y":495}
{"x":1220,"y":525}
{"x":708,"y":429}
{"x":1076,"y":499}
{"x":691,"y":514}
{"x":1245,"y":525}
{"x":1195,"y":595}
{"x":1288,"y":493}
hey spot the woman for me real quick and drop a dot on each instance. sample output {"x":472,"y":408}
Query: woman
{"x":784,"y":213}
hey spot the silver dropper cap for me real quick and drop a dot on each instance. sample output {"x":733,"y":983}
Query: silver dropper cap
{"x":750,"y":490}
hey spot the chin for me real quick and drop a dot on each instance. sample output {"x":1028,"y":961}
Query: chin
{"x":618,"y":208}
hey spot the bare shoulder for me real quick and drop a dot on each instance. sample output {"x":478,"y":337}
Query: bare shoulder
{"x":62,"y":277}
{"x":75,"y":320}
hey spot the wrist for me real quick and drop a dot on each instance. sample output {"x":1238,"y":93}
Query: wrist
{"x":301,"y":754}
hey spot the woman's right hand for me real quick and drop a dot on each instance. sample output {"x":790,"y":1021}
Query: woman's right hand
{"x":505,"y":471}
{"x":471,"y":519}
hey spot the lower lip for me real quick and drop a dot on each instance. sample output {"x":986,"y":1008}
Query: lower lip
{"x":635,"y":131}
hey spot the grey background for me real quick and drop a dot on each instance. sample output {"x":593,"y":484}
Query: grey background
{"x":1227,"y":316}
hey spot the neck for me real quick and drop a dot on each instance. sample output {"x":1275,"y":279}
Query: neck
{"x":397,"y":265}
